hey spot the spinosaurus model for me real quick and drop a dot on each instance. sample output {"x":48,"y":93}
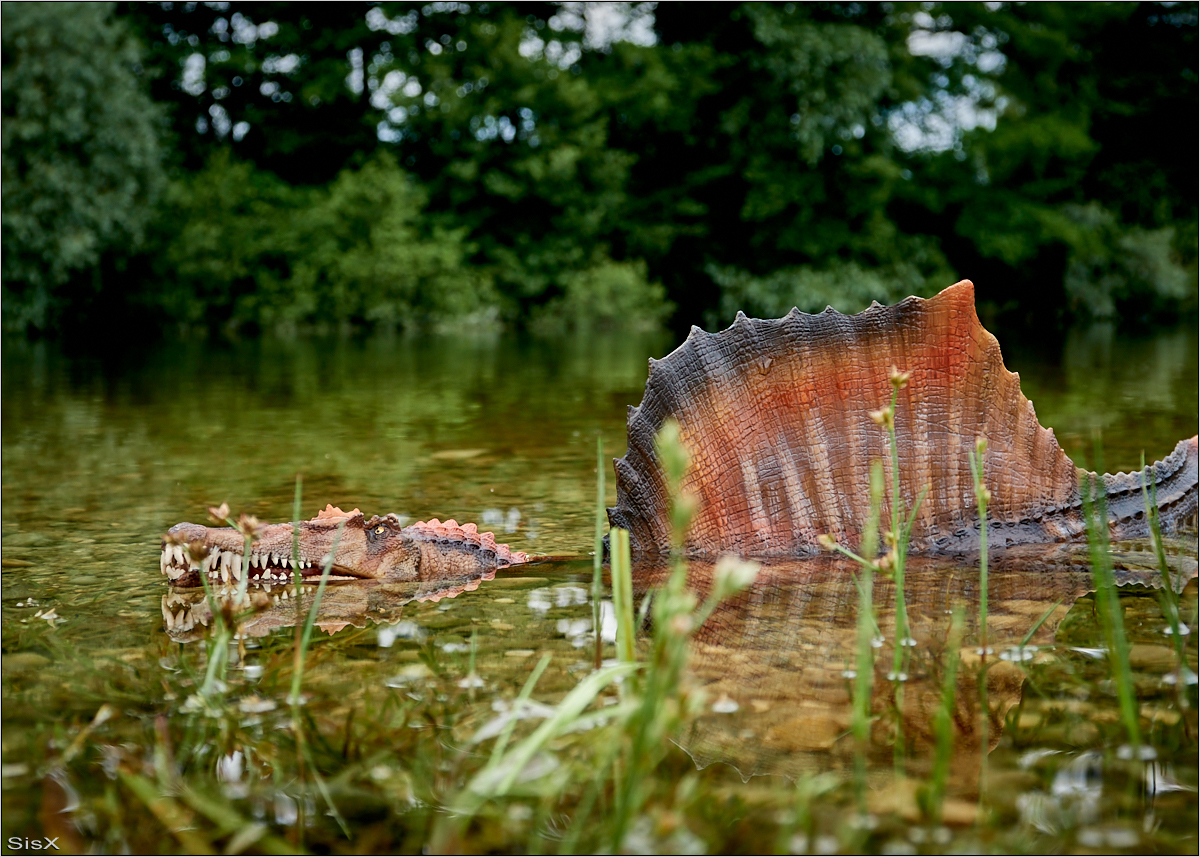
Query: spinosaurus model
{"x":776,"y":416}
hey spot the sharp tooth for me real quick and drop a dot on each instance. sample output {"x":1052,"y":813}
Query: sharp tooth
{"x":292,"y":563}
{"x":224,"y":574}
{"x":168,"y":617}
{"x":162,"y":562}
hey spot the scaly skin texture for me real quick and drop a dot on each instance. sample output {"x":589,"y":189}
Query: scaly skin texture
{"x":378,"y":548}
{"x":776,"y":416}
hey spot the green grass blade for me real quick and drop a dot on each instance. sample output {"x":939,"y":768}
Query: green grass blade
{"x":518,"y":704}
{"x":306,"y":637}
{"x":622,"y":587}
{"x":1029,"y":634}
{"x":598,"y":555}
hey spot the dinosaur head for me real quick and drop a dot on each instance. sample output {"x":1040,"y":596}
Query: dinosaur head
{"x":371,"y":549}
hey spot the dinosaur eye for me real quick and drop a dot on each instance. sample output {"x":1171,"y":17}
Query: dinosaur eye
{"x":379,"y":530}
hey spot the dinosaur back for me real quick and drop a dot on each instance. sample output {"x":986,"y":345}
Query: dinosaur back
{"x":776,"y":416}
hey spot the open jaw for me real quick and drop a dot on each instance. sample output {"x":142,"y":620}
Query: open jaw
{"x":179,"y":563}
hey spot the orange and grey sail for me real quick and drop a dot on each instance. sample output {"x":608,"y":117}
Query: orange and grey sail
{"x":776,"y":416}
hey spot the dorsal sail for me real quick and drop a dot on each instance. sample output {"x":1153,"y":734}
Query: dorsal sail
{"x":776,"y":415}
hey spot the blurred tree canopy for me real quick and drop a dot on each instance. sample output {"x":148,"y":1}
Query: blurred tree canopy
{"x":581,"y":164}
{"x":82,"y":160}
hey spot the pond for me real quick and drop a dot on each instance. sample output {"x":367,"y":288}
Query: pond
{"x":407,"y":693}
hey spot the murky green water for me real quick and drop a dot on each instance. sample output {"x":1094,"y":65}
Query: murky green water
{"x":102,"y":454}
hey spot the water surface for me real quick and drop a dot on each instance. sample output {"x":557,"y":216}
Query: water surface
{"x":102,"y":453}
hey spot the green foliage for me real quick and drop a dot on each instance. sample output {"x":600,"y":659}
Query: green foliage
{"x":835,"y":73}
{"x":251,"y":249}
{"x":610,"y":295}
{"x":1110,"y":264}
{"x":566,"y":173}
{"x":1069,"y":188}
{"x":81,"y":153}
{"x":845,"y":286}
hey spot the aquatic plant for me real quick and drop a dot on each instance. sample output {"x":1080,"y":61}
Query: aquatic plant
{"x":598,"y":552}
{"x":982,"y":497}
{"x":665,"y":699}
{"x":890,"y":565}
{"x":933,"y":793}
{"x":1168,"y":597}
{"x":1108,"y":604}
{"x":655,"y":699}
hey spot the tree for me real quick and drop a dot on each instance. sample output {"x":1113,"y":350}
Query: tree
{"x":246,"y":248}
{"x":600,"y":162}
{"x":81,"y":153}
{"x":1080,"y":199}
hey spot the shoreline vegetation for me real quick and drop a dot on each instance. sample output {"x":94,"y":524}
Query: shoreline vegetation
{"x":281,"y":168}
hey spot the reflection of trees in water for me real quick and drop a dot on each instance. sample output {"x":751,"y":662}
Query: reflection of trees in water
{"x":1139,"y":392}
{"x":156,"y":436}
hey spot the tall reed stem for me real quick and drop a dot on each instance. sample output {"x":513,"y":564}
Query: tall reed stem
{"x":598,"y":554}
{"x":1095,"y":515}
{"x":622,"y":589}
{"x":1168,"y":599}
{"x":943,"y":722}
{"x":864,"y":672}
{"x":306,"y":637}
{"x":982,"y":496}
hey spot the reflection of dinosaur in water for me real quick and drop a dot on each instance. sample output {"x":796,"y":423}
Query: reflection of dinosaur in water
{"x":775,"y":657}
{"x":187,"y":613}
{"x":776,"y":415}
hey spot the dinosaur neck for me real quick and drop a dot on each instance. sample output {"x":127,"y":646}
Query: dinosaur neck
{"x":1171,"y":482}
